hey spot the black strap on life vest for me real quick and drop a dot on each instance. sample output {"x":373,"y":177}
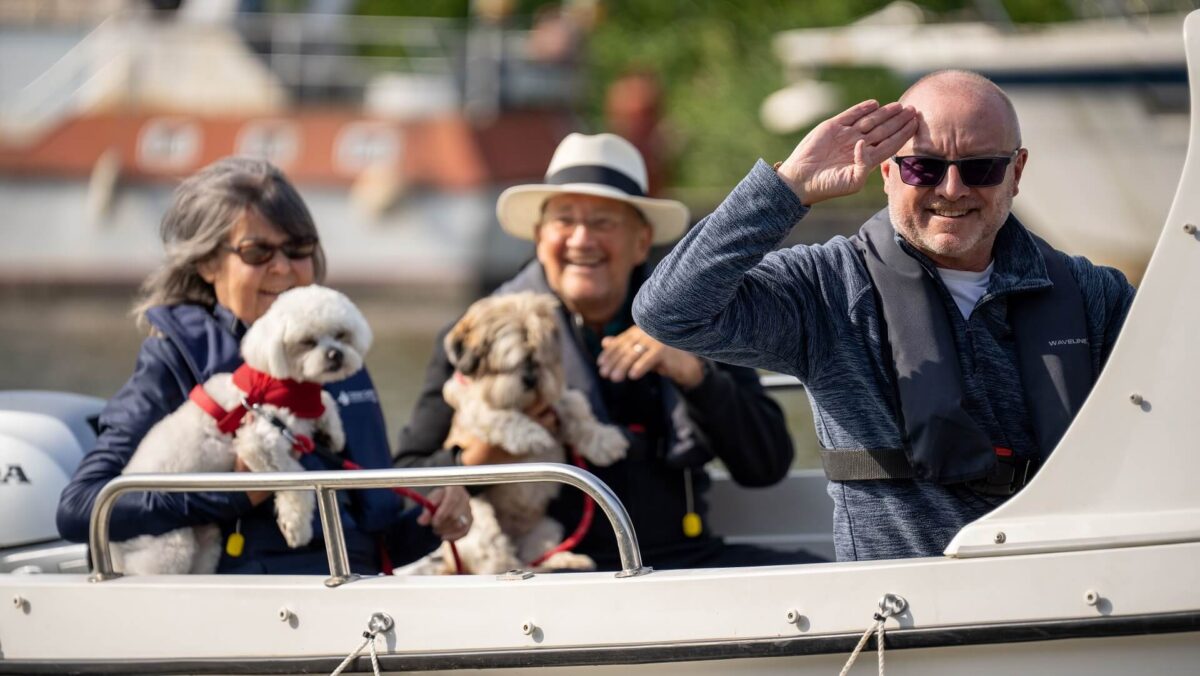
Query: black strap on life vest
{"x":943,"y":443}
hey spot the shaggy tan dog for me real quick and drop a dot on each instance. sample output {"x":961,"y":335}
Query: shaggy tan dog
{"x":507,"y":358}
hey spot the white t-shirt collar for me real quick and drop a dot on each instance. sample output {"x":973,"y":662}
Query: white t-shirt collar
{"x":966,"y":287}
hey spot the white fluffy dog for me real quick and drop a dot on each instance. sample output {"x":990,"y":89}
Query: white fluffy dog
{"x":310,"y":335}
{"x":507,"y":357}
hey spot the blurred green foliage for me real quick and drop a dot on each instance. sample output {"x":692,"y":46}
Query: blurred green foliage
{"x":715,"y":62}
{"x":437,"y":8}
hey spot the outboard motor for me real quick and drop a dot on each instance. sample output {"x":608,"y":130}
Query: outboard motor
{"x":43,"y":436}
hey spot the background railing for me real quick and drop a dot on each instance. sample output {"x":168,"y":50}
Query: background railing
{"x":263,"y":62}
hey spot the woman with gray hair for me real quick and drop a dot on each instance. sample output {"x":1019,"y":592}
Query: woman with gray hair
{"x":197,"y":226}
{"x":237,"y":234}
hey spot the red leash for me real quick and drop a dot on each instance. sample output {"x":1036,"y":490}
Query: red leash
{"x":585,"y":522}
{"x":411,"y":495}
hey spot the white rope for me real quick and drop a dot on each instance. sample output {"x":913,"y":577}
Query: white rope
{"x":375,"y":658}
{"x":877,"y":627}
{"x":369,"y":640}
{"x":379,"y":623}
{"x":889,"y":606}
{"x":878,"y":645}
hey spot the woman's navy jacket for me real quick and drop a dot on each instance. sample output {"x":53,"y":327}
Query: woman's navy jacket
{"x":191,"y":344}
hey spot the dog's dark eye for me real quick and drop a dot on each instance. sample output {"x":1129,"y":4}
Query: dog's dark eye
{"x":341,"y":336}
{"x":308,"y":343}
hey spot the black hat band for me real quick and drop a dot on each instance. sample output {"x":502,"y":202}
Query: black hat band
{"x":595,"y":173}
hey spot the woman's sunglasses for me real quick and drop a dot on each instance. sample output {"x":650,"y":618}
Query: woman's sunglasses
{"x":976,"y":172}
{"x":260,"y":253}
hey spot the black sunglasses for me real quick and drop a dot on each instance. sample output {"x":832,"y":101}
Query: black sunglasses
{"x":976,"y":172}
{"x":261,"y":253}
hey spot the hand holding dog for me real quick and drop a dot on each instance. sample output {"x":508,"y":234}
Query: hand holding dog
{"x":476,"y":451}
{"x":633,"y":354}
{"x":453,"y":517}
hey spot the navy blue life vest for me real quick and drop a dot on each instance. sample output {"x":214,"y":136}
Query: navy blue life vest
{"x":942,"y":443}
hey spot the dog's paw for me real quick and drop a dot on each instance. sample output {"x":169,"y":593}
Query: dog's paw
{"x":540,"y":441}
{"x":522,"y":436}
{"x":602,"y":445}
{"x":293,"y":513}
{"x":296,"y":534}
{"x":568,"y":561}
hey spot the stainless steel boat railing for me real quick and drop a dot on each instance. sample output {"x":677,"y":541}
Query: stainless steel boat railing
{"x":326,"y":484}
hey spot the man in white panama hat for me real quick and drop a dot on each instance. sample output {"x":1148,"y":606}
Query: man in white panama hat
{"x":593,"y":226}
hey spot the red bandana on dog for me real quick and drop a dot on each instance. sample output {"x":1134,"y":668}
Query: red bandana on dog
{"x":302,"y":399}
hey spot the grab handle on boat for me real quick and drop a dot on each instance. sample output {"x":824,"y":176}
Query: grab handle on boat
{"x":326,"y":483}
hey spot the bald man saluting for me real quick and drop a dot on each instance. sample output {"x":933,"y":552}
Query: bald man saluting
{"x":944,"y":348}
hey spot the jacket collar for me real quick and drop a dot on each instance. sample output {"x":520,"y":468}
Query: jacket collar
{"x":207,"y":337}
{"x":1019,"y":264}
{"x":226,"y":318}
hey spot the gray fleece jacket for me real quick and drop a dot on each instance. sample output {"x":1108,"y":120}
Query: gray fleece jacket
{"x":724,"y":292}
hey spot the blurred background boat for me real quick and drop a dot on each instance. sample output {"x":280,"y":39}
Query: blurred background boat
{"x":400,"y":130}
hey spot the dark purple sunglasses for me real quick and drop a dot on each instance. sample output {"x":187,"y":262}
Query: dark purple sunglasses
{"x":260,"y":253}
{"x":976,"y":172}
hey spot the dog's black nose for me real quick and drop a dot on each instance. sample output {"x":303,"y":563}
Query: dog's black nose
{"x":335,"y":357}
{"x":529,"y":380}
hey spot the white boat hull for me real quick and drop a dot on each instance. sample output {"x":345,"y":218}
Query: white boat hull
{"x":1097,"y":610}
